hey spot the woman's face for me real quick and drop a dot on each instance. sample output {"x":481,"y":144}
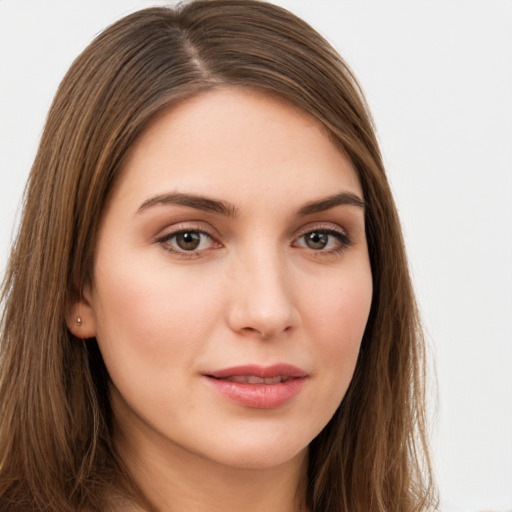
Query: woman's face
{"x":232,"y":282}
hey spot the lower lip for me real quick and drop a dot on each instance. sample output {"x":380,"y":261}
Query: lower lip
{"x":259,"y":396}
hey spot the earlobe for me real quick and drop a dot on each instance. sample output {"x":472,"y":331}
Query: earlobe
{"x":80,"y":317}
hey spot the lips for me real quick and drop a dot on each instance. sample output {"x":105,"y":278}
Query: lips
{"x":258,"y":387}
{"x":277,"y":370}
{"x":253,"y":379}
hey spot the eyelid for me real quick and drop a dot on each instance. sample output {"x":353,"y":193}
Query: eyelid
{"x":320,"y":226}
{"x":187,"y":226}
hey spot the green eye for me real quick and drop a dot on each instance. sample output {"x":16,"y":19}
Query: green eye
{"x":324,"y":240}
{"x":316,"y":240}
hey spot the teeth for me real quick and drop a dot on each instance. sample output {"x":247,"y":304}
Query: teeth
{"x":252,"y":379}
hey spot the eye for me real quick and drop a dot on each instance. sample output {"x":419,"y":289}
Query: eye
{"x":190,"y":241}
{"x":326,"y":240}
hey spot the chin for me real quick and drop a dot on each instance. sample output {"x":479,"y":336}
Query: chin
{"x":258,"y":458}
{"x":252,"y":450}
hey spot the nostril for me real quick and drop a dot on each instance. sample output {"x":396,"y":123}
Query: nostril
{"x":260,"y":332}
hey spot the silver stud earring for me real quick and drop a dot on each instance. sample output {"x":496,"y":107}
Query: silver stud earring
{"x":79,"y":321}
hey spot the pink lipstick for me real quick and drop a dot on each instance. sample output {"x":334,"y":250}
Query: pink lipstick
{"x":258,"y":387}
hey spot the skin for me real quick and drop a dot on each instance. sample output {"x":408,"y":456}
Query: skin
{"x":255,"y":290}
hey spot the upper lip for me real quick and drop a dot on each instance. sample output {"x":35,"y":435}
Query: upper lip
{"x":282,"y":369}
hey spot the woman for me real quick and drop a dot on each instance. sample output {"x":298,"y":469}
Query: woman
{"x":208,"y":305}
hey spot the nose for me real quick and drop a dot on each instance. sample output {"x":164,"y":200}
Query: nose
{"x":262,"y":297}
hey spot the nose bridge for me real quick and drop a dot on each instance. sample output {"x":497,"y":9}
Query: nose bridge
{"x":262,"y":300}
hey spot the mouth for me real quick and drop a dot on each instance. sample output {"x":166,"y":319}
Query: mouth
{"x":258,"y":387}
{"x":254,"y":379}
{"x":276,"y":372}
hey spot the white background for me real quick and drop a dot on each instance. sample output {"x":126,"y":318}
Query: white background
{"x":438,"y":77}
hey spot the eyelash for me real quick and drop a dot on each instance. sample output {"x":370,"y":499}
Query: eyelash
{"x":344,"y":241}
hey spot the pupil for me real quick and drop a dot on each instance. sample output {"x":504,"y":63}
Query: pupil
{"x":316,"y":240}
{"x":188,"y":241}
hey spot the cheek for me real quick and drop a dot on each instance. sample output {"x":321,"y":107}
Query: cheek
{"x":340,"y":311}
{"x":336,"y":323}
{"x":152,"y":315}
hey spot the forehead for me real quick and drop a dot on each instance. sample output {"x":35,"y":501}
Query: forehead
{"x":240,"y":141}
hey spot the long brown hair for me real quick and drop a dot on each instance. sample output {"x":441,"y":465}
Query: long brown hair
{"x":56,"y":449}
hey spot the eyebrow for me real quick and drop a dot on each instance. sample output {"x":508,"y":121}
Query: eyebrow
{"x":192,"y":201}
{"x":343,"y":198}
{"x":229,"y":210}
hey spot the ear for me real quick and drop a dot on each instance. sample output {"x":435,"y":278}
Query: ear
{"x":80,"y":317}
